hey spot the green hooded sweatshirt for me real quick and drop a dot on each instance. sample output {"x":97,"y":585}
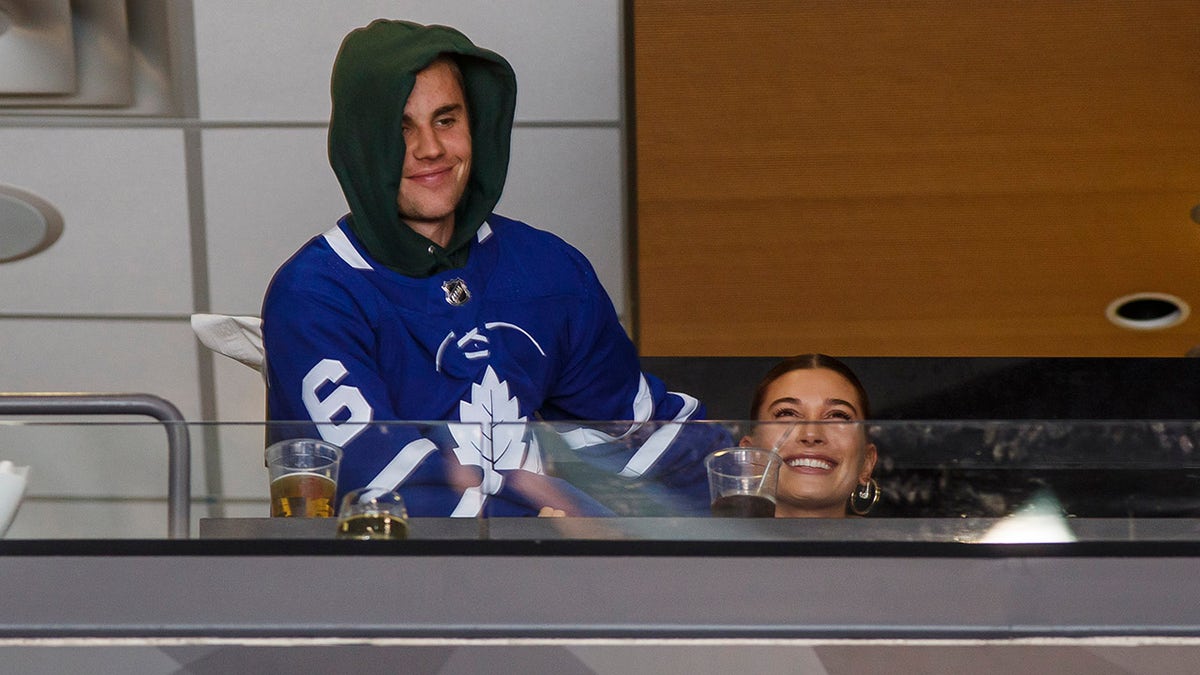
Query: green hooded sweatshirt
{"x":373,"y":75}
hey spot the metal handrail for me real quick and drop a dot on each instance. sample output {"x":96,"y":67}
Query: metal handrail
{"x":179,"y":460}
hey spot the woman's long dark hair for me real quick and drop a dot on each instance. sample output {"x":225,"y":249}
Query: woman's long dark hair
{"x":809,"y":362}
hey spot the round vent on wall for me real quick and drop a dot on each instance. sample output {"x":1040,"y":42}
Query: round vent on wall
{"x":28,"y":224}
{"x":1147,"y":311}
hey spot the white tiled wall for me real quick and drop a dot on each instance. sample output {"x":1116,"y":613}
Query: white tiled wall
{"x":169,"y":216}
{"x":123,"y":198}
{"x":567,"y":55}
{"x":102,"y":355}
{"x":266,"y":192}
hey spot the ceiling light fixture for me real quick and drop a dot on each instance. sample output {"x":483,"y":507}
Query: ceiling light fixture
{"x":28,"y":224}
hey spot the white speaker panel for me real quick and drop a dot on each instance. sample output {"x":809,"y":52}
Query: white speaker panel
{"x":36,"y":47}
{"x":101,"y":56}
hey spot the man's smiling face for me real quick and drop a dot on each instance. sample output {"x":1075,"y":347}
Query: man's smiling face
{"x":437,"y":158}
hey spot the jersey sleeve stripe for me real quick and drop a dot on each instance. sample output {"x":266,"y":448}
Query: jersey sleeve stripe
{"x":470,"y":505}
{"x":403,"y":464}
{"x":660,"y":440}
{"x":340,"y":243}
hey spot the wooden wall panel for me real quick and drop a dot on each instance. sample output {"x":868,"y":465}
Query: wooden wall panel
{"x":917,"y":178}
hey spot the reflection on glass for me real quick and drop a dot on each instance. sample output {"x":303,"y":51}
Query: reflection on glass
{"x":977,"y":481}
{"x":1041,"y":521}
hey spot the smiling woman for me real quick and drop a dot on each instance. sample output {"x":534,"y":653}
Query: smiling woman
{"x":816,"y":404}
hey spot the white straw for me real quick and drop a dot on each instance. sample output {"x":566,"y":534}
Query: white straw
{"x":783,"y":438}
{"x":775,"y":453}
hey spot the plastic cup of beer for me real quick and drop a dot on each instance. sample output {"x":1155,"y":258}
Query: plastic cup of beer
{"x":741,"y":482}
{"x":372,"y":513}
{"x":304,"y":474}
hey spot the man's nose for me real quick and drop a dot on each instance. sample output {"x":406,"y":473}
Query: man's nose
{"x":425,"y":143}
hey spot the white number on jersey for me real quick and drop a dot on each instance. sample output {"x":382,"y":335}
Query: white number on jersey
{"x":343,"y":398}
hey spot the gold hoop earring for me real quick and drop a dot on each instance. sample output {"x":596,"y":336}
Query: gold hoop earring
{"x":866,"y":493}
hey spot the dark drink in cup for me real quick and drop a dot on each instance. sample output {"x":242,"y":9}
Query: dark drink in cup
{"x":741,"y":482}
{"x":743,"y":506}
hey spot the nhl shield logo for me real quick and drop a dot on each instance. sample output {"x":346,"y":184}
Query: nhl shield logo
{"x":456,"y":292}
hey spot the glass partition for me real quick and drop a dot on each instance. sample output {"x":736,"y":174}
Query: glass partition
{"x":978,"y":482}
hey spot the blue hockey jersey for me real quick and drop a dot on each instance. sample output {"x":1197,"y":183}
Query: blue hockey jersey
{"x":350,"y":342}
{"x":497,"y":322}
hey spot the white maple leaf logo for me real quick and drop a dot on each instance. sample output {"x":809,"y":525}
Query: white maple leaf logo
{"x":499,"y":446}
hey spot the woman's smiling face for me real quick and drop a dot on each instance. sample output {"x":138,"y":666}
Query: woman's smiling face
{"x":825,"y":450}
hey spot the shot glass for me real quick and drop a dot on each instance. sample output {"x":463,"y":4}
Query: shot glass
{"x":372,"y":513}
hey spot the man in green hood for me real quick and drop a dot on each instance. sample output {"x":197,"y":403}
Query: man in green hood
{"x":423,"y":304}
{"x":373,"y":79}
